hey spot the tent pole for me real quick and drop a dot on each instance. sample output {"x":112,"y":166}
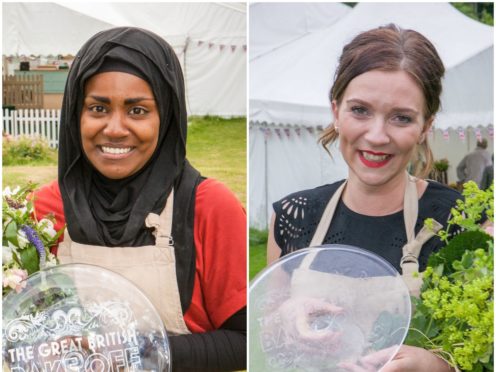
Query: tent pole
{"x":266,"y":176}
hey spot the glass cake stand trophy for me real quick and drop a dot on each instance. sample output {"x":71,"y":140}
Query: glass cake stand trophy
{"x":82,"y":318}
{"x":329,"y":308}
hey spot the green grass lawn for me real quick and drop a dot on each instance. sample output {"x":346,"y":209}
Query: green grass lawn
{"x":215,"y":146}
{"x":258,"y":251}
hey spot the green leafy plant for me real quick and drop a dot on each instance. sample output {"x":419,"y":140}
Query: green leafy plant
{"x":454,"y":315}
{"x":441,"y":165}
{"x":28,"y":150}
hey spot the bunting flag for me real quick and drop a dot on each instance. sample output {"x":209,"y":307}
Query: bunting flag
{"x":461,"y":133}
{"x":221,"y":46}
{"x":490,"y":131}
{"x":446,"y":134}
{"x":266,"y":132}
{"x":288,"y":134}
{"x":298,"y":132}
{"x":310,"y":130}
{"x":278,"y":132}
{"x":478,"y":134}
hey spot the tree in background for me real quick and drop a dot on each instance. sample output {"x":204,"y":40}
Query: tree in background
{"x":482,"y":12}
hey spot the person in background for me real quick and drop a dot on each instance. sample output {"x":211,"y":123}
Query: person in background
{"x":473,"y":164}
{"x":488,"y":175}
{"x":126,"y":192}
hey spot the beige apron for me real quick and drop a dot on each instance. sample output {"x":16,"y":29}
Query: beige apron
{"x":307,"y":282}
{"x":411,"y":251}
{"x":151,"y":268}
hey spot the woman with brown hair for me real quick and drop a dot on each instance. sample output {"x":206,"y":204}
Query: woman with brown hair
{"x":385,"y":95}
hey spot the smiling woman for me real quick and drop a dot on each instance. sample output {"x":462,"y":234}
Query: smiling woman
{"x":385,"y":95}
{"x":119,"y":123}
{"x":133,"y":204}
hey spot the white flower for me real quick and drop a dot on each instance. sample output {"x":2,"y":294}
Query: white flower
{"x":46,"y":226}
{"x":51,"y":260}
{"x":7,"y":254}
{"x":8,"y":192}
{"x":22,"y":239}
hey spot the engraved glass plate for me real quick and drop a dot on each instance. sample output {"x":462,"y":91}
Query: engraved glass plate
{"x":79,"y":318}
{"x":329,"y":308}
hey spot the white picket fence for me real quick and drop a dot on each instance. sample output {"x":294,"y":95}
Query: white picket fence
{"x":31,"y":122}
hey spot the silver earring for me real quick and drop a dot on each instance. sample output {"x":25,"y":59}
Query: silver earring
{"x":336,"y":128}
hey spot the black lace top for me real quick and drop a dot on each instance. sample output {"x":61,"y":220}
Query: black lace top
{"x":298,"y":214}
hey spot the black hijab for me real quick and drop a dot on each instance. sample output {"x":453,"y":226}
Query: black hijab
{"x":101,"y":211}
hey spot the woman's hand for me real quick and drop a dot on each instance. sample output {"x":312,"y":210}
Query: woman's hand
{"x":408,"y":359}
{"x":309,"y":322}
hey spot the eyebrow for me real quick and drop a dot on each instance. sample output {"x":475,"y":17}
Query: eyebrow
{"x":127,"y":101}
{"x":402,"y":109}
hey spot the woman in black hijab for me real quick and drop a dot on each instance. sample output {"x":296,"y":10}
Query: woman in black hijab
{"x":122,"y":160}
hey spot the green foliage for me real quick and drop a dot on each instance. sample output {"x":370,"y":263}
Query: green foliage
{"x":454,"y":250}
{"x":217,"y":148}
{"x":441,"y":165}
{"x":387,"y":331}
{"x":257,"y":251}
{"x":28,"y":150}
{"x":469,"y":212}
{"x":482,"y":12}
{"x":454,"y":314}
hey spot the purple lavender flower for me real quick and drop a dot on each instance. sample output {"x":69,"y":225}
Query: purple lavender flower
{"x":34,"y":239}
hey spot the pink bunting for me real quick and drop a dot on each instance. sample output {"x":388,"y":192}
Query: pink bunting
{"x":233,"y":48}
{"x":210,"y":45}
{"x":221,"y":47}
{"x":490,"y":131}
{"x":288,"y":134}
{"x":461,"y":134}
{"x":298,"y":132}
{"x":478,"y":134}
{"x":278,"y":132}
{"x":446,"y":134}
{"x":200,"y":42}
{"x":244,"y":48}
{"x":266,"y":132}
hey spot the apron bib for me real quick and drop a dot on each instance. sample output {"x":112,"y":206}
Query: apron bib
{"x":151,"y":268}
{"x":411,"y":250}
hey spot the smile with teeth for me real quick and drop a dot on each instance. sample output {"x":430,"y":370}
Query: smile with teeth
{"x":374,"y":157}
{"x":115,"y":150}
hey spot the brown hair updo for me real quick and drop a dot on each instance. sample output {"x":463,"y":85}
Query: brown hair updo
{"x":390,"y":48}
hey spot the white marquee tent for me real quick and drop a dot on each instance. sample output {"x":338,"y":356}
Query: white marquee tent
{"x":273,"y":25}
{"x":209,"y":39}
{"x":289,"y":97}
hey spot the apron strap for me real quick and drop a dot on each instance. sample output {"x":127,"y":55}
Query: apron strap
{"x":323,"y":226}
{"x":327,"y":215}
{"x":410,"y":207}
{"x":162,"y":224}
